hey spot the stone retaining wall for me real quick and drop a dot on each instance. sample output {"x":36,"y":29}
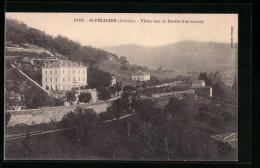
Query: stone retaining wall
{"x":46,"y":115}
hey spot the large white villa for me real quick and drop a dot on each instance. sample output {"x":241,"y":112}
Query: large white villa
{"x":64,"y":75}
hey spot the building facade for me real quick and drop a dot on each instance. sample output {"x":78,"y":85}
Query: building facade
{"x":113,"y":81}
{"x":140,"y":77}
{"x":200,"y":89}
{"x":198,"y":83}
{"x":64,"y":75}
{"x":203,"y":91}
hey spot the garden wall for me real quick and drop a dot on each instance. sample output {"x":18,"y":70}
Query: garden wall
{"x":46,"y":115}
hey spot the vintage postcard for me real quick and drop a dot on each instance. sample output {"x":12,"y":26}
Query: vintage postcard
{"x":121,"y":86}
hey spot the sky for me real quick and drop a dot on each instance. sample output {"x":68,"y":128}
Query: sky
{"x":205,"y":27}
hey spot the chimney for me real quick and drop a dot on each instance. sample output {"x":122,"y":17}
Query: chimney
{"x":81,"y":64}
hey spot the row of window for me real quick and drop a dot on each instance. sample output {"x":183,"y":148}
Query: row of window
{"x":46,"y":72}
{"x":55,"y":87}
{"x":64,"y":79}
{"x":137,"y":78}
{"x":74,"y":79}
{"x":54,"y":79}
{"x":51,"y":88}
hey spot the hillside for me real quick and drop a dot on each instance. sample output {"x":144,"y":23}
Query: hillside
{"x":185,"y":55}
{"x":20,"y":39}
{"x":19,"y":35}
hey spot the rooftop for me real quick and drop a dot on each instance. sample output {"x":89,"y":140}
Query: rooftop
{"x":140,"y":73}
{"x":198,"y":81}
{"x":63,"y":63}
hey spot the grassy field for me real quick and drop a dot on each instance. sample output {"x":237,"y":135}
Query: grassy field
{"x":114,"y":69}
{"x":125,"y":76}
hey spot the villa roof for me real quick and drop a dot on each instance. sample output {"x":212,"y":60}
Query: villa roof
{"x":140,"y":73}
{"x":64,"y":63}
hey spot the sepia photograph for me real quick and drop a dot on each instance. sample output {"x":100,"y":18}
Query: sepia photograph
{"x":121,"y":86}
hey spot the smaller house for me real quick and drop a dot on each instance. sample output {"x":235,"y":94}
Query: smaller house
{"x":201,"y":89}
{"x":198,"y":83}
{"x":140,"y":77}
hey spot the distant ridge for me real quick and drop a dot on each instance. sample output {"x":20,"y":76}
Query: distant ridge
{"x":188,"y":55}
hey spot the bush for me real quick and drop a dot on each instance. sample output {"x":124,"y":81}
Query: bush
{"x":106,"y":116}
{"x":78,"y":117}
{"x":227,"y":117}
{"x":84,"y":97}
{"x":204,"y":108}
{"x":123,"y":68}
{"x":224,"y":149}
{"x":103,"y":93}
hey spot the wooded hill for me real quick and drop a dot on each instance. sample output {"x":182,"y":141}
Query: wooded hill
{"x":19,"y":33}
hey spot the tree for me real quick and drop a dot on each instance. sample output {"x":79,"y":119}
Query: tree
{"x":84,"y":97}
{"x":204,"y":108}
{"x":103,"y":93}
{"x":204,"y":76}
{"x":38,"y":101}
{"x":224,"y":148}
{"x":185,"y":79}
{"x":70,"y":96}
{"x":112,"y":89}
{"x":98,"y":78}
{"x":33,"y":98}
{"x":107,"y":115}
{"x":132,"y":70}
{"x":27,"y":151}
{"x":145,"y":108}
{"x":79,"y":117}
{"x":154,"y":80}
{"x":174,"y":106}
{"x":128,"y":89}
{"x":215,"y":77}
{"x":118,"y":86}
{"x":123,"y":68}
{"x":228,"y":118}
{"x":218,"y":90}
{"x":203,"y":116}
{"x":11,"y":102}
{"x":18,"y":33}
{"x":119,"y":107}
{"x":123,"y":60}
